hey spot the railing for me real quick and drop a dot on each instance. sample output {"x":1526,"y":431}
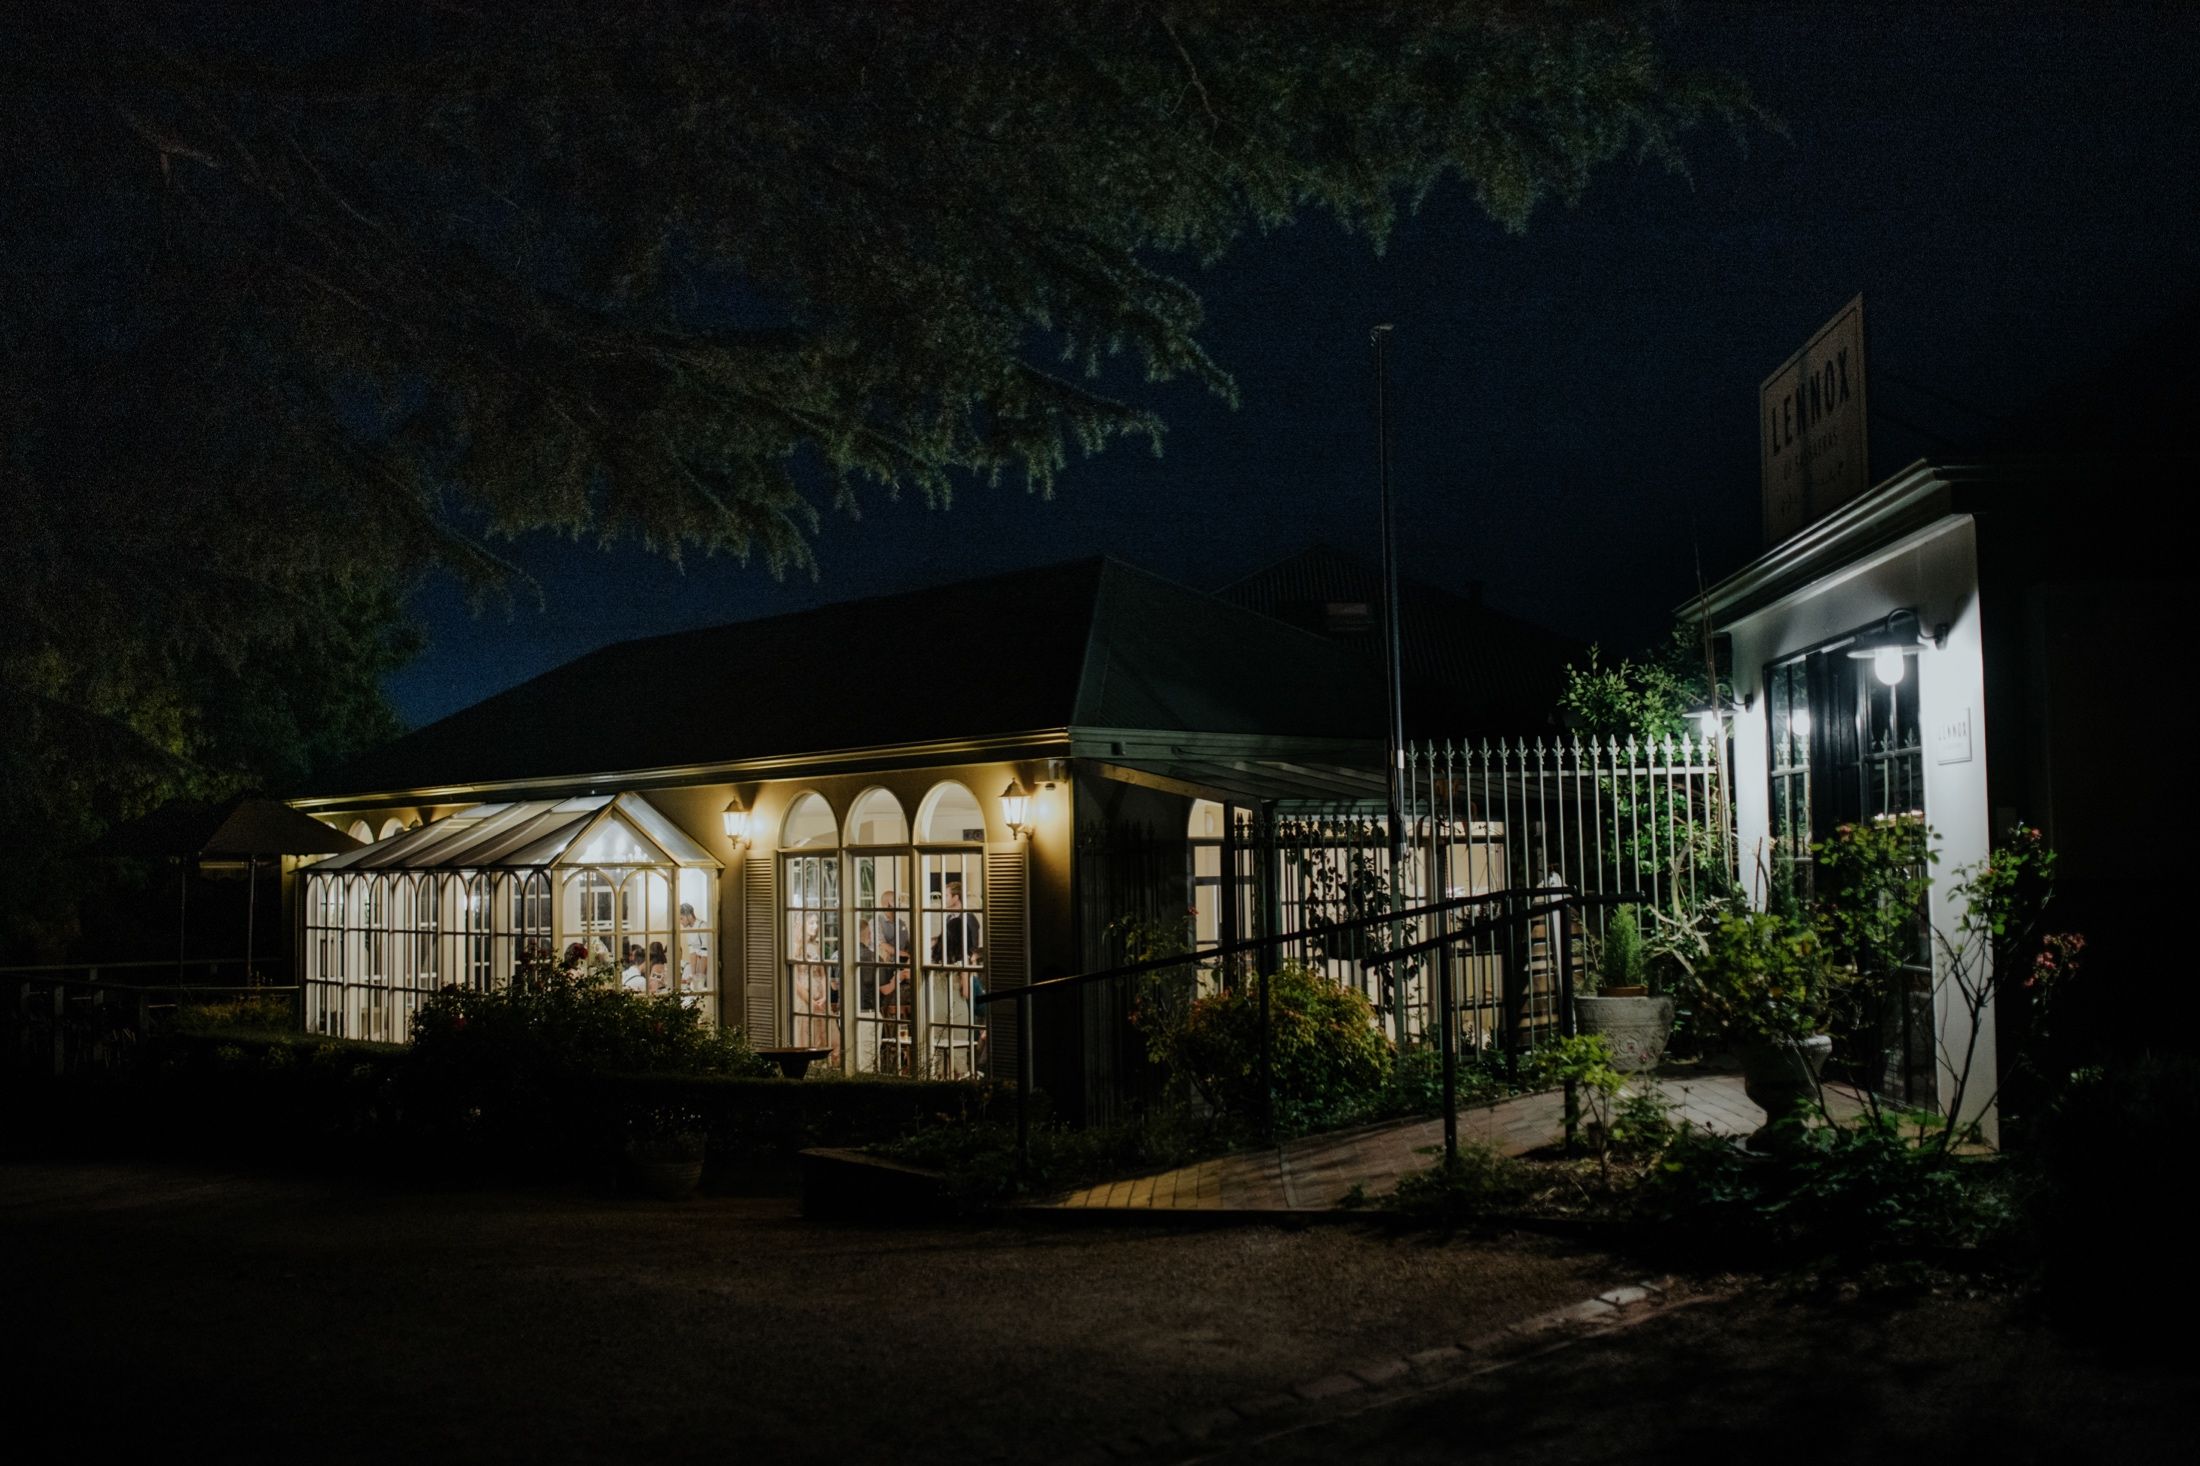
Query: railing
{"x":1650,"y":816}
{"x":1514,"y":1023}
{"x":72,"y":1017}
{"x":1559,"y":908}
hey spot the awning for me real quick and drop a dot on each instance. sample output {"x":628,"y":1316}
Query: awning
{"x":1251,"y":781}
{"x":248,"y":826}
{"x":622,"y":830}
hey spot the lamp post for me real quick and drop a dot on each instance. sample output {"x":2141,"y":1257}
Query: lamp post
{"x":1394,"y":747}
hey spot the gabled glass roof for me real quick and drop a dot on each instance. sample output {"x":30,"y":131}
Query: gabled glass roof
{"x":596,"y":830}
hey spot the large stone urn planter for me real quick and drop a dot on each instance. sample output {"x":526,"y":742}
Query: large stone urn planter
{"x":1779,"y":1076}
{"x":1637,"y":1028}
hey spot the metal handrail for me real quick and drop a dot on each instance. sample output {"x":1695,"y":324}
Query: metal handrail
{"x":167,"y":962}
{"x":1565,"y":899}
{"x":1555,"y":898}
{"x":1254,"y":944}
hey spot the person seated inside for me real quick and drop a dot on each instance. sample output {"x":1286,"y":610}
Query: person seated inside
{"x":656,"y":970}
{"x":631,"y":976}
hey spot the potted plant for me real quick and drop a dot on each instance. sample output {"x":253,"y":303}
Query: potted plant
{"x":665,"y":1149}
{"x":1634,"y":1023}
{"x":1768,"y":988}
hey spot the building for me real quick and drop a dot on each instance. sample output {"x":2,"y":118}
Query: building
{"x":835,"y":827}
{"x":1981,"y":640}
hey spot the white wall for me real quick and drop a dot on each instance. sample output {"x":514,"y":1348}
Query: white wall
{"x":1935,"y":571}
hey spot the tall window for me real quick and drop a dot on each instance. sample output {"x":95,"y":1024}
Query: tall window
{"x":1843,"y":746}
{"x":880,"y":908}
{"x":951,"y":941}
{"x":1788,"y":757}
{"x":810,"y":888}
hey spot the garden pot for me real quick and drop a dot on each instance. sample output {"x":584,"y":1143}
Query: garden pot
{"x":1779,"y":1076}
{"x":668,"y":1180}
{"x":1636,"y":1026}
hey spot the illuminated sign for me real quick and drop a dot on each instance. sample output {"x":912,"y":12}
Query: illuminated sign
{"x":1810,"y":422}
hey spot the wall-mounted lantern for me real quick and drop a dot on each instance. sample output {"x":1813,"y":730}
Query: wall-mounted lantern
{"x":736,"y":820}
{"x":1016,"y":809}
{"x":1889,"y":643}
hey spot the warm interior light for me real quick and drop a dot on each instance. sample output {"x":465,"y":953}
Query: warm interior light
{"x":737,"y":823}
{"x":1015,"y":807}
{"x":1887,"y":664}
{"x":1799,"y":722}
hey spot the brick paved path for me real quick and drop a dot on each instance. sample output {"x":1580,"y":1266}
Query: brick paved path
{"x":1313,"y":1172}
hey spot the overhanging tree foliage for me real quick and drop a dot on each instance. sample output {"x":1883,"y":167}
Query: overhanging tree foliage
{"x":317,"y":294}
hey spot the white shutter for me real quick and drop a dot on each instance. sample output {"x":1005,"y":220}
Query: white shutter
{"x":760,"y":969}
{"x":1007,"y":950}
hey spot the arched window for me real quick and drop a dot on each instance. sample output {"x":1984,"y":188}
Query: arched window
{"x":809,"y":885}
{"x":876,"y":819}
{"x":878,"y":908}
{"x":391,"y":826}
{"x":950,"y":815}
{"x":951,"y":829}
{"x":362,"y":832}
{"x":810,"y":825}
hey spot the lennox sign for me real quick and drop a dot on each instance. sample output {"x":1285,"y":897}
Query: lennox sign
{"x":1810,"y":416}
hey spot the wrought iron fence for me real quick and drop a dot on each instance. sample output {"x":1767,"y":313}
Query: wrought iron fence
{"x":92,"y":1017}
{"x":1497,"y":824}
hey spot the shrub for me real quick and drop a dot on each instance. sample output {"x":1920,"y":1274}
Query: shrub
{"x":1414,"y":1082}
{"x":1761,"y":980}
{"x":1479,"y":1182}
{"x":2104,"y":1221}
{"x":253,"y":1013}
{"x":1620,"y":964}
{"x":1327,"y":1059}
{"x":1832,"y":1189}
{"x":497,"y":1066}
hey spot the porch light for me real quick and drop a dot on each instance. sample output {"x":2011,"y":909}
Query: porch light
{"x":1016,"y":809}
{"x":1889,"y":643}
{"x":736,"y":821}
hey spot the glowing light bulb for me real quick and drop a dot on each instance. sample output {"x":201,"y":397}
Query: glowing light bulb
{"x":1799,"y":722}
{"x":1887,"y":664}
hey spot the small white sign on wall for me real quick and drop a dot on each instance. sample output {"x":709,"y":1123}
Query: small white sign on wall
{"x":1952,"y":739}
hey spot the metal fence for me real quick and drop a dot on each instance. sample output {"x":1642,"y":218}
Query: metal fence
{"x":93,"y":1017}
{"x":1500,"y":823}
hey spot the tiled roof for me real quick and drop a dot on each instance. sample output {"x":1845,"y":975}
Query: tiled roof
{"x":1469,"y":670}
{"x":1090,"y":643}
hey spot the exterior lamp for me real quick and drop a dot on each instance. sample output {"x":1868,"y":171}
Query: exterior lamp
{"x":1016,"y":809}
{"x":736,"y":821}
{"x":1889,"y":643}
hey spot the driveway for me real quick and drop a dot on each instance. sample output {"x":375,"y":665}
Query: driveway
{"x":259,"y":1318}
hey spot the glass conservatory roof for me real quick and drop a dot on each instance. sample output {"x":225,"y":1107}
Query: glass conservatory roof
{"x":596,"y":830}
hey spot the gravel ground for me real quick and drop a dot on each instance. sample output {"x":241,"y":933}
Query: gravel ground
{"x":1924,"y":1379}
{"x":265,"y":1318}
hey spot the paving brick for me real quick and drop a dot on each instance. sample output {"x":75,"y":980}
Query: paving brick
{"x":1621,"y":1297}
{"x":1327,"y":1387}
{"x":1085,"y":1456}
{"x":1589,"y":1310}
{"x":1382,"y":1371}
{"x":1263,"y":1405}
{"x":1208,"y":1422}
{"x":1438,"y":1359}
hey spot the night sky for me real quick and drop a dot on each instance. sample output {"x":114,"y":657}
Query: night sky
{"x":2010,"y":187}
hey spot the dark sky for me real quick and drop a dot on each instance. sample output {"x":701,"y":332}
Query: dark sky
{"x":2010,"y":187}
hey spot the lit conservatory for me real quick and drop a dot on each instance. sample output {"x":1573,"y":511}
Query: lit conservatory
{"x":605,"y":880}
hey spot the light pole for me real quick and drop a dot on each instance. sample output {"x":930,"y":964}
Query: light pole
{"x":1394,"y":749}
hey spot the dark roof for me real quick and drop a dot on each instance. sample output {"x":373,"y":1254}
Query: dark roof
{"x":1470,"y":670}
{"x":2136,"y":402}
{"x":246,"y":825}
{"x":1091,"y":643}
